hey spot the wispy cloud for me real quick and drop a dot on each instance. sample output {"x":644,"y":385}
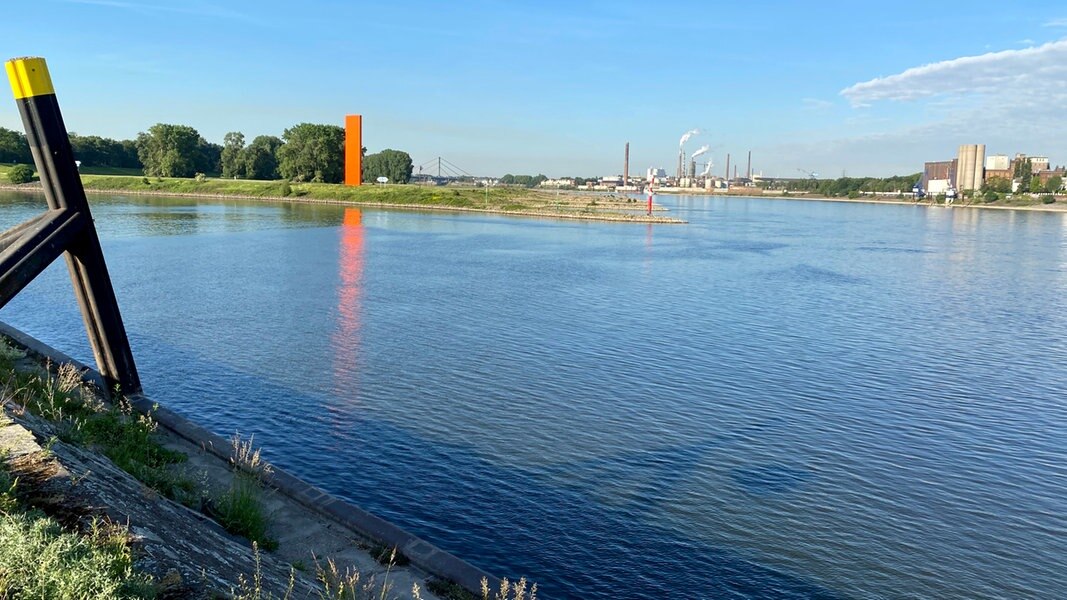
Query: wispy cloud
{"x":1006,"y":99}
{"x":201,"y":9}
{"x":1061,"y":22}
{"x":816,"y":104}
{"x":1029,"y":71}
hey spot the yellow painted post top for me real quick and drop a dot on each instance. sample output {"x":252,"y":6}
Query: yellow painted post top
{"x":29,"y":77}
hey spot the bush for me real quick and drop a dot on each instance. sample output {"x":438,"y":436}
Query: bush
{"x":20,"y":174}
{"x":200,"y":177}
{"x":853,"y":195}
{"x":1048,"y":199}
{"x":990,"y":196}
{"x":286,"y":188}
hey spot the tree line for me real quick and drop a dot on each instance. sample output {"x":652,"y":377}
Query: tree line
{"x":305,"y":152}
{"x":525,"y":180}
{"x":845,"y":186}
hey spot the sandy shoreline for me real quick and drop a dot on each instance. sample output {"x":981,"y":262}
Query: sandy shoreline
{"x":616,"y":217}
{"x":607,"y":202}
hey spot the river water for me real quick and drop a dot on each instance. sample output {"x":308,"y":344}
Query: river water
{"x":782,"y":399}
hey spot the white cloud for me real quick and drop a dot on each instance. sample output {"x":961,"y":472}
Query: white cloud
{"x":1061,"y":22}
{"x":1037,"y":71}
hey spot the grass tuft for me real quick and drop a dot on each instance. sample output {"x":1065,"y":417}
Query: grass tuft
{"x":240,"y":510}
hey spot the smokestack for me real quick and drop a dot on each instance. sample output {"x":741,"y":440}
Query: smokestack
{"x":626,"y":167}
{"x":692,"y":169}
{"x":735,"y":171}
{"x":681,"y":159}
{"x":748,"y":170}
{"x":727,"y":167}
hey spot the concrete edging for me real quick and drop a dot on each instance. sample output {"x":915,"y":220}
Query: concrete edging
{"x":420,"y":552}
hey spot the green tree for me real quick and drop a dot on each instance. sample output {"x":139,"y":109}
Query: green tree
{"x":394,"y":164}
{"x":260,"y":159}
{"x":1024,"y":172}
{"x":1035,"y":185}
{"x":1000,"y":185}
{"x":96,"y":151}
{"x":20,"y":174}
{"x":313,"y":153}
{"x":233,"y":144}
{"x":171,"y":151}
{"x":208,"y":157}
{"x":1054,"y":184}
{"x":13,"y":147}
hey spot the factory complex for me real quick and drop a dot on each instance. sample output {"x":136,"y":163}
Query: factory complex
{"x":973,"y":168}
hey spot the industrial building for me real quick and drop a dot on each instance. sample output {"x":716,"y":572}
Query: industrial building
{"x":972,"y":168}
{"x":939,"y":176}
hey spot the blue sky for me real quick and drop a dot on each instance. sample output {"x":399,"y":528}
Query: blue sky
{"x":559,"y":87}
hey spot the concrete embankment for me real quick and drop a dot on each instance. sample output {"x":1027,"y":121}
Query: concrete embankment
{"x":310,"y":525}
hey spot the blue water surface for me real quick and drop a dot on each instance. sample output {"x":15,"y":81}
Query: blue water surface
{"x":781,"y":399}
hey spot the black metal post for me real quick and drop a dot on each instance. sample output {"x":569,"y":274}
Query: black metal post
{"x":27,"y":249}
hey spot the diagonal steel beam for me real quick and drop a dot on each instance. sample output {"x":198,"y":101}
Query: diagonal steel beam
{"x":38,"y":246}
{"x":13,"y":234}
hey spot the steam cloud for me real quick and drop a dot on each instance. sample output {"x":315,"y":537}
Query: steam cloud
{"x":686,"y":136}
{"x":702,"y":150}
{"x":707,"y":169}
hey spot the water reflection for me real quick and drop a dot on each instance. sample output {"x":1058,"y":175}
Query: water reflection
{"x":346,"y":337}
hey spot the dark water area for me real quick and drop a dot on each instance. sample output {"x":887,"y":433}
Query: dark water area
{"x":782,"y":399}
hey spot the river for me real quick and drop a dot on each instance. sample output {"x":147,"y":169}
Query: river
{"x":782,"y":399}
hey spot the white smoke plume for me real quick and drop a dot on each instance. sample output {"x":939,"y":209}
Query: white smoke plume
{"x":707,"y":169}
{"x":702,"y":150}
{"x":686,"y":136}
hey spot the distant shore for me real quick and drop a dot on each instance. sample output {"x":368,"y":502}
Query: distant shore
{"x":504,"y":201}
{"x":1059,"y":206}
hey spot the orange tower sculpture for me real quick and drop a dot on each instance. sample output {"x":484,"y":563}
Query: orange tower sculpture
{"x":353,"y":150}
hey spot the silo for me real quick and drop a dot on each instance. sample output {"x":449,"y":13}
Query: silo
{"x":979,"y":167}
{"x":965,"y":162}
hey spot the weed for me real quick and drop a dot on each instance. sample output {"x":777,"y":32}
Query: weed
{"x":8,"y":500}
{"x":81,"y":417}
{"x":240,"y":511}
{"x":387,"y":556}
{"x":9,"y":354}
{"x":447,"y":590}
{"x":245,"y":457}
{"x":509,"y":591}
{"x":41,"y":560}
{"x":254,"y":590}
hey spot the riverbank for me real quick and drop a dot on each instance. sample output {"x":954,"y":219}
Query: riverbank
{"x":1032,"y":205}
{"x":506,"y":201}
{"x":161,"y":488}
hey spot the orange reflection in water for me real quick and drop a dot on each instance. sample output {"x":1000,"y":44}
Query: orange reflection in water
{"x":346,"y":337}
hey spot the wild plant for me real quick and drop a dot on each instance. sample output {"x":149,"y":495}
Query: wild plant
{"x":246,"y":457}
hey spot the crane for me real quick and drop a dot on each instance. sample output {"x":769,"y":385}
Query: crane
{"x":810,"y":174}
